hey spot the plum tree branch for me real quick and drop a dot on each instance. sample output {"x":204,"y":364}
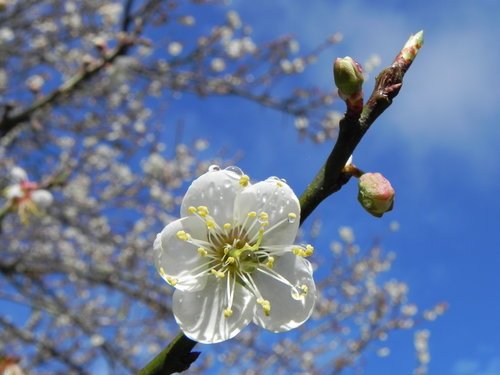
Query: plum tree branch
{"x":177,"y":356}
{"x":331,"y":177}
{"x":12,"y":118}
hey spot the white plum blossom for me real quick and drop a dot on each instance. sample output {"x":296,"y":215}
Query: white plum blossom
{"x":232,"y":259}
{"x":175,"y":48}
{"x":26,"y":196}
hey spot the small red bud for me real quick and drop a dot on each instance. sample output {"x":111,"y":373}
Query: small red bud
{"x":376,"y":194}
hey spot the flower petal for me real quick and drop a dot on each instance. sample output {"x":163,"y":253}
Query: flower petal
{"x":13,"y":191}
{"x":278,"y":200}
{"x":17,"y":174}
{"x":216,"y":190}
{"x":42,"y":198}
{"x":178,"y":261}
{"x":201,"y":317}
{"x":286,"y":312}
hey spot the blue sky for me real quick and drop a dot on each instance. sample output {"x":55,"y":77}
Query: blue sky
{"x":437,"y":144}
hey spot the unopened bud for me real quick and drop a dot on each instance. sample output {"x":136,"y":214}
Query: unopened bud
{"x":42,"y":198}
{"x":376,"y":194}
{"x":348,"y":76}
{"x":412,"y":46}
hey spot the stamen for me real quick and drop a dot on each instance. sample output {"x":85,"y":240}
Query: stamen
{"x":241,"y":228}
{"x":303,"y":252}
{"x":202,"y":211}
{"x":266,"y":306}
{"x":181,"y":235}
{"x":192,"y":210}
{"x":309,"y":250}
{"x":264,"y":219}
{"x":298,"y":295}
{"x":244,"y":180}
{"x":172,"y":281}
{"x":228,"y":312}
{"x":217,"y":274}
{"x":210,"y":224}
{"x":162,"y":272}
{"x":271,"y":273}
{"x":270,"y":262}
{"x":202,"y":252}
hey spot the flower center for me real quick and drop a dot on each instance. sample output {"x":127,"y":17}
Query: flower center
{"x":234,"y":253}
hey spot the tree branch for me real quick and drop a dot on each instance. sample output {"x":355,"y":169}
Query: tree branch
{"x":330,"y":177}
{"x":177,"y":356}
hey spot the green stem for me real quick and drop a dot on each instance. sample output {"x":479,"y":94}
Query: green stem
{"x":176,"y":357}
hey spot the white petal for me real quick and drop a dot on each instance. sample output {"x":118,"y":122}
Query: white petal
{"x":42,"y":198}
{"x":17,"y":174}
{"x":278,"y":200}
{"x":180,"y":259}
{"x":286,"y":311}
{"x":13,"y":191}
{"x":200,"y":314}
{"x":215,"y":190}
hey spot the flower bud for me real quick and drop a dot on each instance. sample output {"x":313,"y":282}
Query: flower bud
{"x":42,"y":198}
{"x":348,"y":76}
{"x":17,"y":174}
{"x":376,"y":194}
{"x":412,"y":46}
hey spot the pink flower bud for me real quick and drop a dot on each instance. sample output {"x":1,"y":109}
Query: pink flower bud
{"x":348,"y":76}
{"x":376,"y":194}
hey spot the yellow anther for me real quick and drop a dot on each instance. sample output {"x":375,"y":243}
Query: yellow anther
{"x":163,"y":273}
{"x":301,"y":292}
{"x":244,"y":180}
{"x":252,"y":214}
{"x":292,"y":216}
{"x":230,"y":260}
{"x":181,"y":235}
{"x":279,"y":183}
{"x":228,"y":312}
{"x":270,"y":262}
{"x":264,"y":219}
{"x":172,"y":281}
{"x":227,"y":248}
{"x":217,"y":274}
{"x":202,"y":252}
{"x":192,"y":209}
{"x":266,"y":305}
{"x":301,"y":252}
{"x":227,"y":226}
{"x":210,"y":224}
{"x":305,"y":289}
{"x":202,"y":211}
{"x":309,"y":250}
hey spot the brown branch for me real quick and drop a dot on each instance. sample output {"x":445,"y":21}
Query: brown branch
{"x":331,"y":176}
{"x":8,"y":123}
